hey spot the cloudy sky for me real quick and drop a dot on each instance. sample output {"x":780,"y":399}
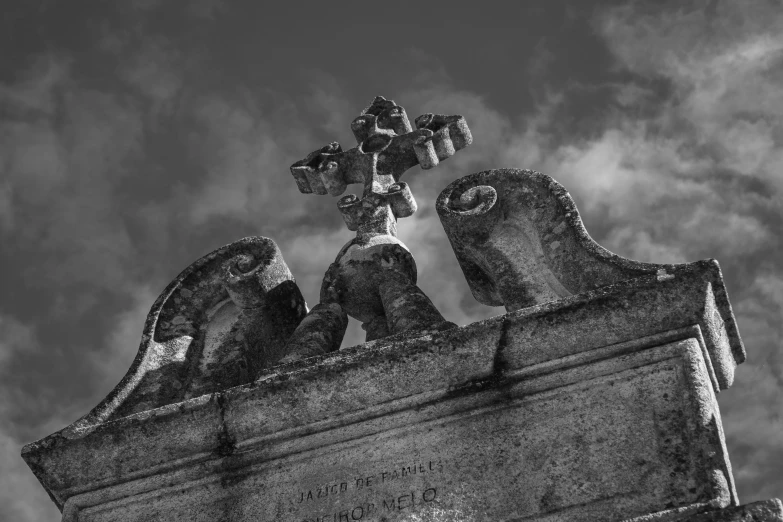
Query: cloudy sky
{"x":136,"y":136}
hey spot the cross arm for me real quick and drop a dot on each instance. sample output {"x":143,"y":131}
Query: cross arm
{"x":436,"y":138}
{"x":449,"y":134}
{"x":329,"y":170}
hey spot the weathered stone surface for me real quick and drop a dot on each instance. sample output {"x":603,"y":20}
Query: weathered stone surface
{"x":319,"y":333}
{"x":765,"y":511}
{"x":387,"y":147}
{"x":520,"y":242}
{"x":218,"y":324}
{"x":600,"y":406}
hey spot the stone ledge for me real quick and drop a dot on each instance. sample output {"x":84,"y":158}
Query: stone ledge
{"x":762,"y":511}
{"x":632,"y":432}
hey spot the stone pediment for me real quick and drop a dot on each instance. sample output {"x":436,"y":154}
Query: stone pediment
{"x":396,"y":387}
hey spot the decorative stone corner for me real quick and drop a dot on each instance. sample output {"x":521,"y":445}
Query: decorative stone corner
{"x":217,"y":325}
{"x":520,"y":242}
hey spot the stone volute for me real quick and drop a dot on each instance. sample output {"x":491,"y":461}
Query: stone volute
{"x":520,"y":242}
{"x":220,"y":323}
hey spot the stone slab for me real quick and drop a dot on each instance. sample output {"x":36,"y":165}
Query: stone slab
{"x":632,"y":434}
{"x":499,"y":420}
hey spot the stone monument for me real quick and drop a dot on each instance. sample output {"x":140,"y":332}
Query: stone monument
{"x":592,"y":399}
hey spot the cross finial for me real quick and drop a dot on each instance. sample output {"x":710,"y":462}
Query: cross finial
{"x":373,"y":278}
{"x":387,"y":147}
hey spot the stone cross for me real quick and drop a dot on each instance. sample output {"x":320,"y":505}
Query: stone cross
{"x":387,"y":147}
{"x":373,"y":278}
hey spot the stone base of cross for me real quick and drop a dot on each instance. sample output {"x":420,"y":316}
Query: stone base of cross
{"x":373,"y":278}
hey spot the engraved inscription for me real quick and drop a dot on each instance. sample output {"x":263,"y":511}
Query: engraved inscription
{"x":381,"y":502}
{"x":323,"y":491}
{"x":368,"y":481}
{"x":385,"y":506}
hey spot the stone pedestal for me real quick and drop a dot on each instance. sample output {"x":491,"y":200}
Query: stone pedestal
{"x":599,"y":406}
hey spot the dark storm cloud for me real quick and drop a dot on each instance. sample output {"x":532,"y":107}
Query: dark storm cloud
{"x":147,"y":135}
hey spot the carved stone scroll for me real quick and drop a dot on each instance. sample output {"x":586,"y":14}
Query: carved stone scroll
{"x":520,"y":242}
{"x":224,"y":319}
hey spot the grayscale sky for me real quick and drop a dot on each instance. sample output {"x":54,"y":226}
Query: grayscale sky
{"x":138,"y":135}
